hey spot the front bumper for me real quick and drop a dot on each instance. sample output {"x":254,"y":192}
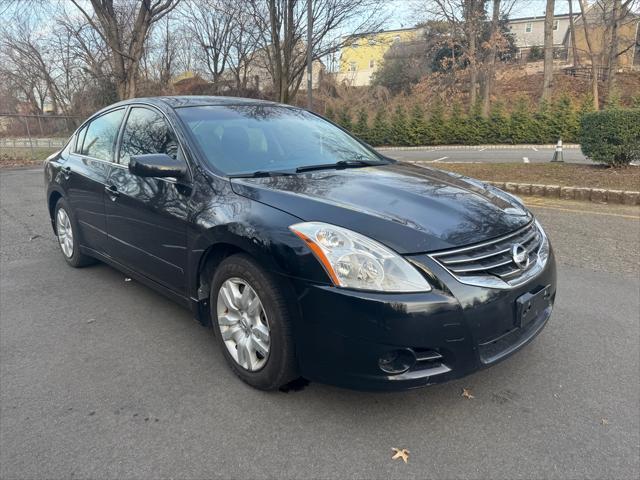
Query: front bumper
{"x":453,"y":330}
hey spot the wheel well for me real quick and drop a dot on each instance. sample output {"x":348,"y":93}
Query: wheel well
{"x":210,"y":260}
{"x":53,"y":200}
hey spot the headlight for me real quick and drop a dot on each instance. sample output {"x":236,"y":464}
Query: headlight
{"x":355,"y":261}
{"x":543,"y":251}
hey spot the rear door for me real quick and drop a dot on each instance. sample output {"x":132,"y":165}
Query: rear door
{"x":85,"y":174}
{"x":146,"y":217}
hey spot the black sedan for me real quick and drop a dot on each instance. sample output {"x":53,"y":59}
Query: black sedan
{"x":309,"y":253}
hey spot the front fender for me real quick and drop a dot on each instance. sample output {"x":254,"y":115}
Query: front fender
{"x":260,"y":230}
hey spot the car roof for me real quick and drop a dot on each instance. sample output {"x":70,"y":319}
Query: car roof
{"x":200,"y":100}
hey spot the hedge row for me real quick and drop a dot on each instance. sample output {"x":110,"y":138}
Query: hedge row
{"x":452,"y":126}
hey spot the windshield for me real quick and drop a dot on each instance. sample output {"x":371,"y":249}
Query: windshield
{"x":245,"y":139}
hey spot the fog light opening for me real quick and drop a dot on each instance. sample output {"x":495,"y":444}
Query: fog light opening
{"x":397,"y":361}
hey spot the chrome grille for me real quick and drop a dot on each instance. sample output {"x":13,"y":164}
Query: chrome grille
{"x":481,"y":263}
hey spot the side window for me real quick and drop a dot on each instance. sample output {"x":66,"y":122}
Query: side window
{"x":100,"y":139}
{"x":77,"y":148}
{"x":146,"y":131}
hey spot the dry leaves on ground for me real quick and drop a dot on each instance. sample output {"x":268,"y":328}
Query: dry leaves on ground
{"x":466,"y":393}
{"x":401,"y":454}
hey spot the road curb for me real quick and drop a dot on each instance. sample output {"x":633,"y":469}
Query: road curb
{"x":597,"y":195}
{"x":485,"y":147}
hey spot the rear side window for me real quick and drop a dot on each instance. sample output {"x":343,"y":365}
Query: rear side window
{"x":100,"y":138}
{"x":79,"y":139}
{"x":146,"y":131}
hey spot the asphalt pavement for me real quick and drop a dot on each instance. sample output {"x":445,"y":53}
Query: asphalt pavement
{"x":100,"y":377}
{"x":484,"y":154}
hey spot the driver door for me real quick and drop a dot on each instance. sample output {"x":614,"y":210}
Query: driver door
{"x":146,"y":217}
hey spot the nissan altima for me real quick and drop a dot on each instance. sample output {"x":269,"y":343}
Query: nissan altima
{"x":310,"y":254}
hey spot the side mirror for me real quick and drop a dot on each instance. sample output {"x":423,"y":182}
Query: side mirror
{"x":158,"y":165}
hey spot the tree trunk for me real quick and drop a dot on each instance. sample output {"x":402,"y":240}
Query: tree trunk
{"x":594,"y":66}
{"x":572,"y":27}
{"x":547,"y":84}
{"x":470,"y":33}
{"x":612,"y":61}
{"x":289,"y":45}
{"x":490,"y":70}
{"x":276,"y":51}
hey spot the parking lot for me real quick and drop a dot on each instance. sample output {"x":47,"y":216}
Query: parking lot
{"x":100,"y":377}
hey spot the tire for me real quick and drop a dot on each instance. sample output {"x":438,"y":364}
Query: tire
{"x":69,"y":246}
{"x":277,"y":367}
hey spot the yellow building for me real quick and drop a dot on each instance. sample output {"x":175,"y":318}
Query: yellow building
{"x":598,"y":18}
{"x":363,"y":54}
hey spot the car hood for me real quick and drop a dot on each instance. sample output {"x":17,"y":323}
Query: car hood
{"x":409,"y":208}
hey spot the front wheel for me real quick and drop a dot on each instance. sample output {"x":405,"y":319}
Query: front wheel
{"x":253,"y":323}
{"x":67,"y":234}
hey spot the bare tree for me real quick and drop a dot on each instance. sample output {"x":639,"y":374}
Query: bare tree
{"x":621,"y":12}
{"x":168,"y":52}
{"x":85,"y":45}
{"x":465,"y":19}
{"x":592,"y":55}
{"x":283,"y":23}
{"x":547,"y":83}
{"x":210,"y":24}
{"x":31,"y":66}
{"x":124,"y":29}
{"x":490,"y":64}
{"x":612,"y":57}
{"x":473,"y":16}
{"x":572,"y":29}
{"x":243,"y":48}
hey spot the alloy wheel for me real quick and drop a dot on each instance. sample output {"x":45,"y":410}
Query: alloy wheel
{"x":243,"y":324}
{"x":65,"y":232}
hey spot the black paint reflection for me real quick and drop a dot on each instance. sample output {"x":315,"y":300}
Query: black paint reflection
{"x":438,"y":210}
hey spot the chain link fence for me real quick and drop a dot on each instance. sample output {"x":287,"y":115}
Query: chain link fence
{"x":34,"y":137}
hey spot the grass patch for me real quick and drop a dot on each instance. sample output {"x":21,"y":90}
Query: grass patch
{"x":566,"y":175}
{"x":23,"y":157}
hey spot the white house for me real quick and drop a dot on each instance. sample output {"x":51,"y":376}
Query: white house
{"x":529,"y":31}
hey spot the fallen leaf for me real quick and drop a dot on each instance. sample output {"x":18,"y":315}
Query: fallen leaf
{"x":604,"y":421}
{"x":33,"y":237}
{"x":467,"y":393}
{"x":127,"y":279}
{"x":400,"y":453}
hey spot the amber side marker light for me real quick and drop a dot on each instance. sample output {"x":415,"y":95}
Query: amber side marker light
{"x":319,"y":254}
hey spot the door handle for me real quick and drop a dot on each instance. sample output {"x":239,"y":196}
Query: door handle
{"x":112,"y":191}
{"x":66,"y":171}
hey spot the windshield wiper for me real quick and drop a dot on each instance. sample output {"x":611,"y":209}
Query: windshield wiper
{"x":341,"y":164}
{"x":263,"y":173}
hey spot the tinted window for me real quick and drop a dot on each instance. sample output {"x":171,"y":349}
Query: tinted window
{"x":146,"y":131}
{"x":100,"y":139}
{"x":247,"y":138}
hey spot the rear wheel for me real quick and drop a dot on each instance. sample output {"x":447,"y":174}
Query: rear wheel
{"x":253,"y":323}
{"x":67,"y":234}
